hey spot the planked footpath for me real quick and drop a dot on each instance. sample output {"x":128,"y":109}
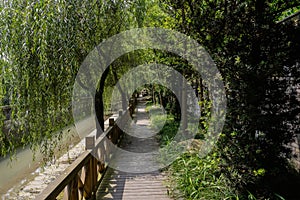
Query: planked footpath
{"x":118,"y":184}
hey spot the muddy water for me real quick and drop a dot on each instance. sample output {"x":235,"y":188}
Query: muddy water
{"x":22,"y":167}
{"x":17,"y":170}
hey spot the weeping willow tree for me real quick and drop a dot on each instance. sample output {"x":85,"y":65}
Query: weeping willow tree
{"x":43,"y":44}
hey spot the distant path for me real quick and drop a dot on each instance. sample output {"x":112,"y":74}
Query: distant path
{"x":135,"y":186}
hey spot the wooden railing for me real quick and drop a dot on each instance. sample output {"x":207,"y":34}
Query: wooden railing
{"x":81,"y":179}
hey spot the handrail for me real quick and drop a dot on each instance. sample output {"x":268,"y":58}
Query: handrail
{"x":81,"y":179}
{"x":55,"y":188}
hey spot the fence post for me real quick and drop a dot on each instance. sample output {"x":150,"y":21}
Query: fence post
{"x":121,"y":122}
{"x":111,"y":122}
{"x":131,"y":106}
{"x":90,"y":169}
{"x":89,"y":142}
{"x":71,"y":191}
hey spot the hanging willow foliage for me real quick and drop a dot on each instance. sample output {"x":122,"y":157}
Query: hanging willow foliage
{"x":42,"y":46}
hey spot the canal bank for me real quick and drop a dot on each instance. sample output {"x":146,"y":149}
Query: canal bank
{"x":17,"y":172}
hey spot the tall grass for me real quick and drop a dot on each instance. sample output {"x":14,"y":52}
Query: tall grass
{"x":190,"y":176}
{"x":193,"y":177}
{"x":162,"y":122}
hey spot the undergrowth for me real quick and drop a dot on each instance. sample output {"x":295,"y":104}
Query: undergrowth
{"x":191,"y":176}
{"x":199,"y":178}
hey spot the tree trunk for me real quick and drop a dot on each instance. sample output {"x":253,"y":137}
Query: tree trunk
{"x":201,"y":92}
{"x":160,"y":99}
{"x":99,"y":104}
{"x":184,"y":104}
{"x":123,"y":95}
{"x":153,"y":95}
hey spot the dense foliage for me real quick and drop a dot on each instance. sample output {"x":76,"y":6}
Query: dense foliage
{"x":258,"y":60}
{"x":43,"y":44}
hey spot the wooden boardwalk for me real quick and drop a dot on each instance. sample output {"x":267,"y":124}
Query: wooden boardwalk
{"x":130,"y":185}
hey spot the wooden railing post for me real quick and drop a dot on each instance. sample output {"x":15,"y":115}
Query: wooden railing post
{"x":90,"y":170}
{"x":131,"y":106}
{"x":111,"y":122}
{"x":120,"y":113}
{"x":120,"y":123}
{"x":89,"y":142}
{"x":71,"y":191}
{"x":95,"y":174}
{"x":101,"y":157}
{"x":111,"y":134}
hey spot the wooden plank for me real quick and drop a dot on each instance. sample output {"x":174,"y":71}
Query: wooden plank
{"x":55,"y":188}
{"x":88,"y":179}
{"x":71,"y":191}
